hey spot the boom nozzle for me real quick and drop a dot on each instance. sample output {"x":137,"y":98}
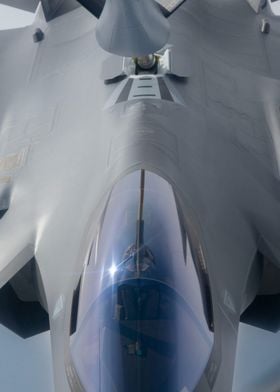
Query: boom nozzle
{"x":132,"y":28}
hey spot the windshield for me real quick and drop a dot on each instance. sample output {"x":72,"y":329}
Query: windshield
{"x":141,"y":319}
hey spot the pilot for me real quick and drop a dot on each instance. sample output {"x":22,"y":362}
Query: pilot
{"x":146,"y":261}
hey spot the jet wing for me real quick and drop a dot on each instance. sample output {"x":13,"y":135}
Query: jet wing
{"x":52,"y":8}
{"x":26,"y":5}
{"x":263,"y":311}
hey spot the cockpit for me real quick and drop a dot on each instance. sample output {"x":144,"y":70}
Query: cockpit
{"x":142,"y":322}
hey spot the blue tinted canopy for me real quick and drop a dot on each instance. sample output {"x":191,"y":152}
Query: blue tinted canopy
{"x":141,"y":319}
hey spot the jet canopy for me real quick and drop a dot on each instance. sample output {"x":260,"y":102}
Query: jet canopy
{"x":142,"y":324}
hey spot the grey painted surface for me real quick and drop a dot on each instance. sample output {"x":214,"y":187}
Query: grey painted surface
{"x":27,"y":5}
{"x":61,"y":153}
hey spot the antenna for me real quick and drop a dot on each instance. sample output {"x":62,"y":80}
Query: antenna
{"x":140,"y":224}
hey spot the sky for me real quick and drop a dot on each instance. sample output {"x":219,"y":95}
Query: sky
{"x":25,"y":365}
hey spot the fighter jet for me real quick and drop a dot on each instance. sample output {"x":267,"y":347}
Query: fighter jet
{"x":140,"y":187}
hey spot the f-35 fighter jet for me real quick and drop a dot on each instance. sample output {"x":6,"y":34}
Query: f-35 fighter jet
{"x":140,"y":187}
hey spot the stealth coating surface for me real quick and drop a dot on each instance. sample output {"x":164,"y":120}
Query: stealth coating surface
{"x":219,"y":149}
